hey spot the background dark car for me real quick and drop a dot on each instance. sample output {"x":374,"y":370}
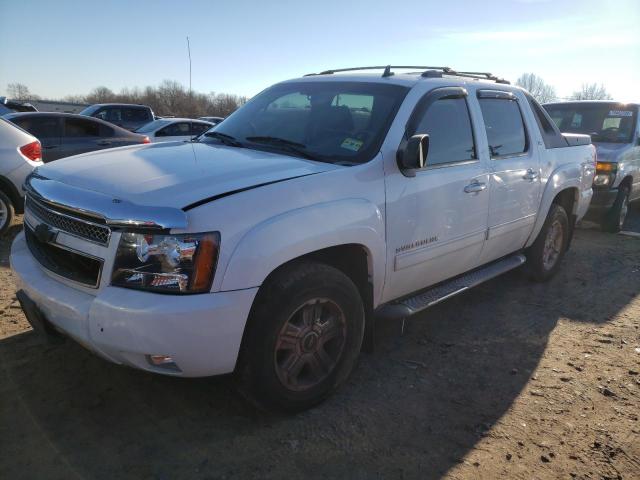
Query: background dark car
{"x":17,"y":106}
{"x":66,"y":134}
{"x":124,"y":115}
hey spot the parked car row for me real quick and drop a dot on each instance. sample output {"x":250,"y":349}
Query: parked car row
{"x":67,"y":134}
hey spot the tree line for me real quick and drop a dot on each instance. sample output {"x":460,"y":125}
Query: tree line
{"x":170,"y":98}
{"x":544,"y":93}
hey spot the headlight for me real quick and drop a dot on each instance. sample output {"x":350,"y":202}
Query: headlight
{"x":601,"y":179}
{"x":166,"y":263}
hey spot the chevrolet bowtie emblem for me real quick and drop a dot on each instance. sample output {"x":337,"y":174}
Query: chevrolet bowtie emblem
{"x":44,"y":233}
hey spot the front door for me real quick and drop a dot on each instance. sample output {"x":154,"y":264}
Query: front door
{"x":515,"y":174}
{"x":437,"y":219}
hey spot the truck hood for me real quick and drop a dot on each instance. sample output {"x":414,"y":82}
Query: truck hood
{"x":176,"y":174}
{"x":610,"y":152}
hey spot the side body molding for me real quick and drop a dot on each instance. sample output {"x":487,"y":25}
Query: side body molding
{"x":298,"y":232}
{"x":568,"y":175}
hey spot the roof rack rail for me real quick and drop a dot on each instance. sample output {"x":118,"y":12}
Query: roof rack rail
{"x":426,"y":72}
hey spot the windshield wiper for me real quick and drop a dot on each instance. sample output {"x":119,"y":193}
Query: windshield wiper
{"x":295,"y":147}
{"x":224,"y":138}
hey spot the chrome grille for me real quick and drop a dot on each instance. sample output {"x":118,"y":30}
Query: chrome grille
{"x":78,"y":227}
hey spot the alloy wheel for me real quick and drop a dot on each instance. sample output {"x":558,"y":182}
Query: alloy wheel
{"x":552,"y":245}
{"x":310,"y":344}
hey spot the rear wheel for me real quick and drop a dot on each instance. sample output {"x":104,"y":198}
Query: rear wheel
{"x":303,"y":338}
{"x":544,"y":256}
{"x":6,"y":213}
{"x":615,"y":218}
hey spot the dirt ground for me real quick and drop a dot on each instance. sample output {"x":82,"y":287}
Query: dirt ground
{"x":511,"y":380}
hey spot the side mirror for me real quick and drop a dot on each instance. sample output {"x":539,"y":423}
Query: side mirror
{"x":414,"y":154}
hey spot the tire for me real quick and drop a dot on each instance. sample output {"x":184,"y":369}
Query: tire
{"x":7,"y":213}
{"x":546,"y":253}
{"x":302,"y":340}
{"x":615,"y":217}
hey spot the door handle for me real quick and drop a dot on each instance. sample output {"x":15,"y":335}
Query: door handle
{"x":475,"y":187}
{"x":49,"y":147}
{"x":103,"y":143}
{"x":531,"y":175}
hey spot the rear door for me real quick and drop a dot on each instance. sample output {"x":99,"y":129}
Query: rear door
{"x":47,"y":129}
{"x":515,"y":184}
{"x":437,"y":219}
{"x":85,"y":135}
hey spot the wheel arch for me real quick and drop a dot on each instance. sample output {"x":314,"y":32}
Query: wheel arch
{"x":10,"y":190}
{"x":565,"y":194}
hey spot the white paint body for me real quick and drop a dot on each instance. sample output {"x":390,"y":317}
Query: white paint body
{"x":372,"y":205}
{"x":14,"y":166}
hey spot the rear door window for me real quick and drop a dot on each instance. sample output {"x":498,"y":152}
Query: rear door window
{"x":80,"y":128}
{"x":135,"y":115}
{"x":177,"y":129}
{"x":504,"y":126}
{"x":199,"y":128}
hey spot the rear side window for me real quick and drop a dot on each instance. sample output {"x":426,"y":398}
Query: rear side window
{"x":175,"y":130}
{"x":198,"y":128}
{"x":79,"y":128}
{"x":39,"y":127}
{"x":504,"y":125}
{"x":448,"y":125}
{"x":550,"y":134}
{"x":135,"y":115}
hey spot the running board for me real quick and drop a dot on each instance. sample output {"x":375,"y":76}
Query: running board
{"x":427,"y":298}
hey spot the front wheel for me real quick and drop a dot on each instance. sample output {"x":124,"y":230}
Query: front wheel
{"x":544,"y":256}
{"x":303,"y":338}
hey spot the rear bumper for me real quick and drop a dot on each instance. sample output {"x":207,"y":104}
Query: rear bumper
{"x":202,"y":333}
{"x":603,"y":199}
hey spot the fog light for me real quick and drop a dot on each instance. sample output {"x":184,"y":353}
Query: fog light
{"x":163,"y":361}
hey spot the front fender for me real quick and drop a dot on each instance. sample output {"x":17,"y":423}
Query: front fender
{"x":564,"y":177}
{"x":298,"y":232}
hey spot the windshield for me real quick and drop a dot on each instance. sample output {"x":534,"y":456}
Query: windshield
{"x":605,"y":122}
{"x":151,"y":126}
{"x":327,"y":121}
{"x":89,"y":110}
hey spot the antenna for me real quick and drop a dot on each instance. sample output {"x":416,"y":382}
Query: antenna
{"x":189,"y":53}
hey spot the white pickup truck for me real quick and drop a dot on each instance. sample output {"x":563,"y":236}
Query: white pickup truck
{"x":268,"y":246}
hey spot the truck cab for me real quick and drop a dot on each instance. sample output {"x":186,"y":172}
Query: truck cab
{"x":615,"y":131}
{"x":270,"y":245}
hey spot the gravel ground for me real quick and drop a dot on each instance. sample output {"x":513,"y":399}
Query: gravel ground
{"x":511,"y":380}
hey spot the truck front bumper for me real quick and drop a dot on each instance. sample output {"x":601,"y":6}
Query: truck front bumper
{"x":603,"y":199}
{"x":201,"y":333}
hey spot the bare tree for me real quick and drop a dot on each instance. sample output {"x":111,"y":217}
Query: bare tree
{"x":591,"y":91}
{"x":100,"y":95}
{"x":537,"y":87}
{"x":19,"y":91}
{"x":170,"y":98}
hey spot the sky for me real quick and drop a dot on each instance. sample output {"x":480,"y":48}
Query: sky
{"x":62,"y":47}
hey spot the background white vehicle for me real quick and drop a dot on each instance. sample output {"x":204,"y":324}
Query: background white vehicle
{"x":20,"y":153}
{"x":174,"y":129}
{"x":269,"y":246}
{"x":614,"y":128}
